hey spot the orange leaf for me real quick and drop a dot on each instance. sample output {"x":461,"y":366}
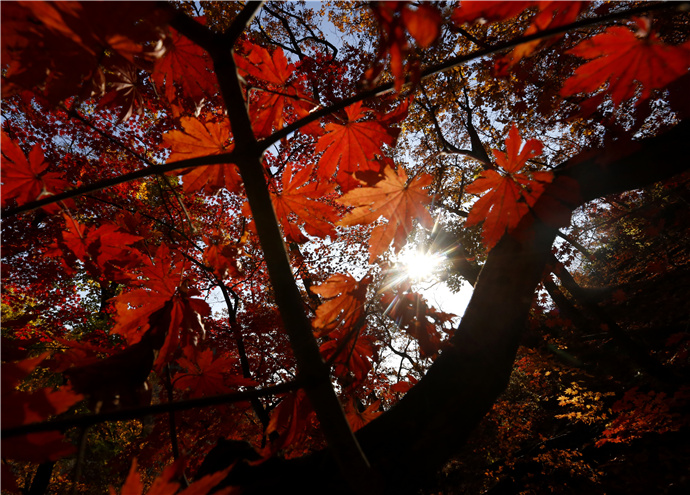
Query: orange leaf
{"x":358,"y":419}
{"x":620,"y":57}
{"x":424,"y":23}
{"x":346,"y":304}
{"x":353,"y":359}
{"x":394,"y":199}
{"x":507,"y":197}
{"x":197,"y":139}
{"x":299,"y":198}
{"x":203,"y":139}
{"x":351,"y":145}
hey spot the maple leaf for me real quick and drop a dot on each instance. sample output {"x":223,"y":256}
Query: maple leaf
{"x":619,"y":57}
{"x":165,"y":484}
{"x":272,"y":68}
{"x":206,"y":374}
{"x":103,"y":250}
{"x":187,"y":64}
{"x":359,"y":418}
{"x":289,"y":421}
{"x":126,"y":91}
{"x":423,"y":23}
{"x":352,"y":145}
{"x":222,"y":258}
{"x":392,"y":198}
{"x":394,"y":18}
{"x":411,"y":313}
{"x":203,"y":139}
{"x":352,"y":359}
{"x":24,"y":178}
{"x":31,"y":407}
{"x":507,"y":197}
{"x":345,"y":306}
{"x":299,"y":198}
{"x":162,"y":305}
{"x":551,"y":15}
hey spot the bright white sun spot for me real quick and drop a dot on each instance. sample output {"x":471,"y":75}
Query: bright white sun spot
{"x":420,"y":266}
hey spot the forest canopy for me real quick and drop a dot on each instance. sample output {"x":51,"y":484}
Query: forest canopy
{"x":227,"y":226}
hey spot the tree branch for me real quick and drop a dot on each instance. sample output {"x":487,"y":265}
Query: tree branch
{"x":140,"y":412}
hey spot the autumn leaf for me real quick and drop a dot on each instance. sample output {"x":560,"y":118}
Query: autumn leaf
{"x":207,"y":374}
{"x":268,"y":104}
{"x":25,"y":178}
{"x":162,"y":304}
{"x":203,"y":139}
{"x":621,"y":57}
{"x":187,"y":64}
{"x":32,"y":407}
{"x":396,"y":200}
{"x":103,"y":250}
{"x":126,"y":91}
{"x":222,"y":258}
{"x":351,"y":146}
{"x":345,"y":305}
{"x":165,"y":484}
{"x":509,"y":196}
{"x":423,"y":22}
{"x":550,"y":15}
{"x":476,"y":10}
{"x":289,"y":422}
{"x":351,"y":354}
{"x":411,"y":313}
{"x":298,"y":204}
{"x":359,"y":418}
{"x":197,"y":139}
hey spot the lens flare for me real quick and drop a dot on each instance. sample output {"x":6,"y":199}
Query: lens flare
{"x":420,"y":266}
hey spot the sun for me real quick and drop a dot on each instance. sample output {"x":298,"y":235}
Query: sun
{"x":420,"y":266}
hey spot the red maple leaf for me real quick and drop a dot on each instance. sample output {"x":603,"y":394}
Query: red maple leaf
{"x":165,"y":484}
{"x":550,"y":15}
{"x":423,"y":22}
{"x":203,"y":139}
{"x":507,"y":198}
{"x":300,"y":198}
{"x":103,"y":250}
{"x":359,"y":418}
{"x":352,"y":145}
{"x":289,"y":421}
{"x":267,"y":109}
{"x":345,"y":305}
{"x":222,"y":258}
{"x":351,"y":356}
{"x":30,"y":407}
{"x":621,"y":57}
{"x":187,"y":64}
{"x":163,"y":305}
{"x":207,"y":374}
{"x":25,"y":178}
{"x":392,"y":198}
{"x":412,"y":314}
